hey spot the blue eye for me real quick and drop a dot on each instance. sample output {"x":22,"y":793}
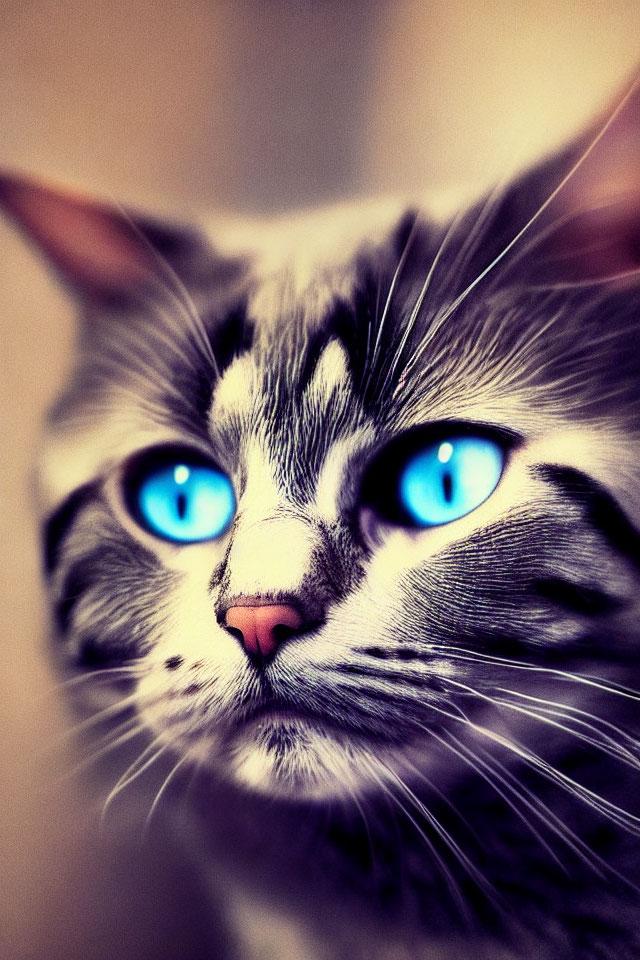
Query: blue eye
{"x":449,"y":479}
{"x":182,"y":500}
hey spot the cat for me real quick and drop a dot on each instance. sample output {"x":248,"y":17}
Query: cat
{"x":348,"y":502}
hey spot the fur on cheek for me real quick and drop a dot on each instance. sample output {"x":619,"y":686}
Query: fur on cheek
{"x":197,"y":670}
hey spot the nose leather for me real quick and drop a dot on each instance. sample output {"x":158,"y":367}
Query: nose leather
{"x":260,"y":627}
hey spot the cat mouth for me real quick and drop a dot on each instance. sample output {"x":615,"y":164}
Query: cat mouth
{"x":275,"y":713}
{"x":280,"y":717}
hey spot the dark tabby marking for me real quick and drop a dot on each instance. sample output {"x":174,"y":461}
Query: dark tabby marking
{"x":59,"y":523}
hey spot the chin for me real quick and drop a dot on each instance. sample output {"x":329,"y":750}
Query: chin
{"x":295,"y":759}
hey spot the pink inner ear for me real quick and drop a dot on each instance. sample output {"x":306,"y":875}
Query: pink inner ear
{"x":93,"y":245}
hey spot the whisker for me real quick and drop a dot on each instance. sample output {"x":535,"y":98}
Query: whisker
{"x":599,"y":683}
{"x":346,"y":782}
{"x":588,"y":282}
{"x":548,"y":818}
{"x":490,"y":775}
{"x":95,"y":676}
{"x":161,"y":791}
{"x":445,"y":836}
{"x":453,"y":226}
{"x":449,"y":878}
{"x":487,"y":207}
{"x":392,"y":287}
{"x":135,"y":770}
{"x":363,"y":817}
{"x":527,"y":247}
{"x":370,"y":324}
{"x":197,"y":763}
{"x":560,"y":710}
{"x":442,"y":796}
{"x":122,"y":705}
{"x":476,"y":875}
{"x":132,"y":728}
{"x":588,"y":856}
{"x":622,"y":754}
{"x":611,"y":811}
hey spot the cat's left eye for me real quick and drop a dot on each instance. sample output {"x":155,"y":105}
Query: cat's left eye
{"x":179,"y":496}
{"x":426,"y":480}
{"x":449,"y":479}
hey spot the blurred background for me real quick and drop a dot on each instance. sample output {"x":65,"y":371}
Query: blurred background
{"x":192,"y":106}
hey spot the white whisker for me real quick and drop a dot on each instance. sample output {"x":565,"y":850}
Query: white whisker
{"x":123,"y":733}
{"x":392,"y":286}
{"x":608,"y":809}
{"x":104,"y":673}
{"x":439,"y":793}
{"x":454,"y":847}
{"x":415,"y":312}
{"x":135,"y":770}
{"x":485,"y":210}
{"x":568,"y":712}
{"x":156,"y":800}
{"x":598,"y":682}
{"x":488,"y":773}
{"x":449,"y":878}
{"x":120,"y":706}
{"x":614,"y":750}
{"x":588,"y":856}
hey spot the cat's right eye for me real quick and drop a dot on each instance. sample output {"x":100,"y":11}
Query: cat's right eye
{"x":179,"y":496}
{"x":433,"y":477}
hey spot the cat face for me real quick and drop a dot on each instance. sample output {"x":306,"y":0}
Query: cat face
{"x":357,"y":504}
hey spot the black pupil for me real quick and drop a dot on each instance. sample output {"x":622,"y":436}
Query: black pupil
{"x":181,"y":505}
{"x":447,"y":486}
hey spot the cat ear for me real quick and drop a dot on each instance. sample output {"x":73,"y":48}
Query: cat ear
{"x":99,"y":249}
{"x":588,"y":229}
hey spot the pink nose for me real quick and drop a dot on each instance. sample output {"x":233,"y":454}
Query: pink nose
{"x":263,"y":628}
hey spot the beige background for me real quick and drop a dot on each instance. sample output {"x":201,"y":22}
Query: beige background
{"x":250,"y":107}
